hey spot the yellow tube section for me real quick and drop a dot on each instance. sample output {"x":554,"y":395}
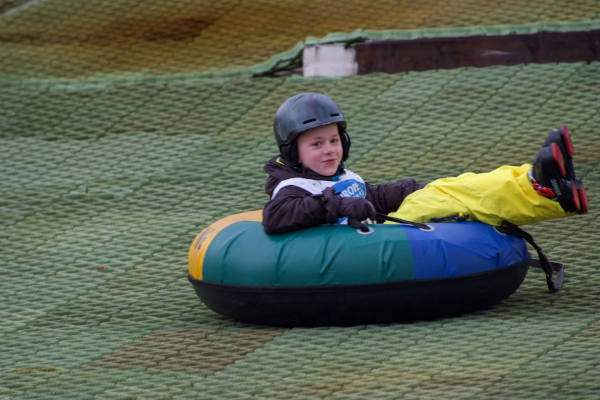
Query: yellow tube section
{"x":202,"y":241}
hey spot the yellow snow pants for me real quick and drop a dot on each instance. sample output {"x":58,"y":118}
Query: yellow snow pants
{"x":492,"y":197}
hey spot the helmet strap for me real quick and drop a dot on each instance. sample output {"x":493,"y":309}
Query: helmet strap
{"x":289,"y":155}
{"x":345,"y":138}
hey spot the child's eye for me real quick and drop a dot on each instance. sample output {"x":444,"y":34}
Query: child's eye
{"x":317,"y":144}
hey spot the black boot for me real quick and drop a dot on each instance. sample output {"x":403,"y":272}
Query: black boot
{"x":553,"y":173}
{"x":562,"y":137}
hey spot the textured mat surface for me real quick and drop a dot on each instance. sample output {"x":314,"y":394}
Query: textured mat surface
{"x":104,"y":184}
{"x":103,"y":189}
{"x":54,"y":38}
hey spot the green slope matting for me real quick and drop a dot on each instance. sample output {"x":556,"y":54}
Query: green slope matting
{"x":104,"y":183}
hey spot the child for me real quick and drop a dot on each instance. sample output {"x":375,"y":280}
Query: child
{"x":308,"y":184}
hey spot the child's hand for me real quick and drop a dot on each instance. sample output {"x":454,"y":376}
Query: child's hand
{"x":357,"y":208}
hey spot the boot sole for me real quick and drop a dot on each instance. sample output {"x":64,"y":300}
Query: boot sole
{"x":559,"y":160}
{"x":567,"y":141}
{"x":575,"y":196}
{"x":582,"y":195}
{"x":562,"y":137}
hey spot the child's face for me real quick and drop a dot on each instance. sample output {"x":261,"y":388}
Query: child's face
{"x":320,"y":149}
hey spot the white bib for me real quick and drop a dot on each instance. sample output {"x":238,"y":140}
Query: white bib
{"x":349,"y":184}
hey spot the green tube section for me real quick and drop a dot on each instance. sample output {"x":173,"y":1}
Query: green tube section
{"x":243,"y":254}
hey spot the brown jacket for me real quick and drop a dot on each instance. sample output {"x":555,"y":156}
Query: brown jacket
{"x":294,"y":208}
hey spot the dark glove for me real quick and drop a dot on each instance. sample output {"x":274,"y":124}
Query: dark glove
{"x":356,"y":208}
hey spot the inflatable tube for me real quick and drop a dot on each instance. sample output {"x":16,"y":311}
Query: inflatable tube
{"x":337,"y":275}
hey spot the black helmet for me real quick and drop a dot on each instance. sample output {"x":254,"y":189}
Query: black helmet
{"x":302,"y":112}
